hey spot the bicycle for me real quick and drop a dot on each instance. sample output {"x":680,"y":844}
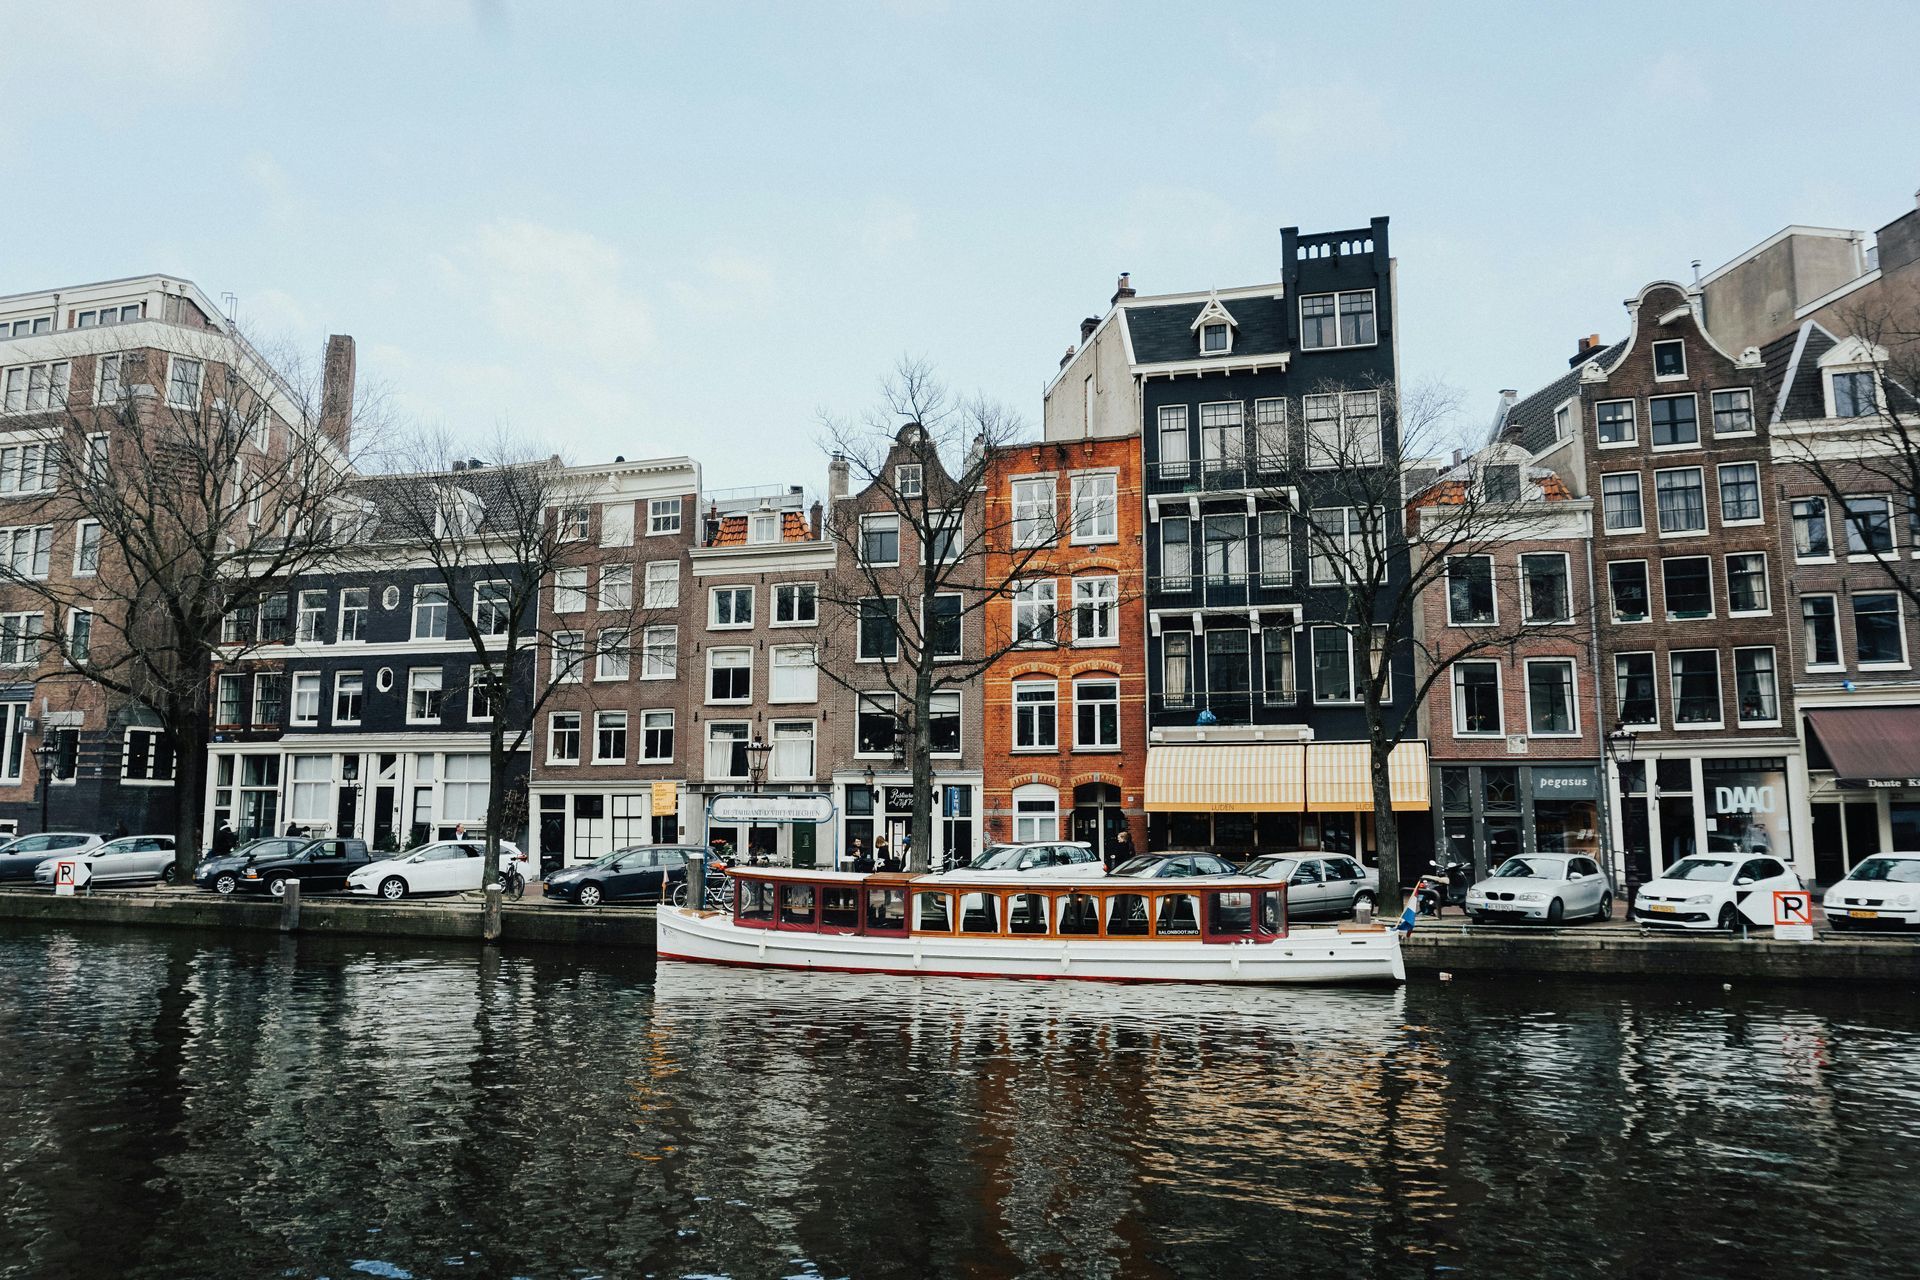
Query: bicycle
{"x":512,"y":885}
{"x":719,"y":895}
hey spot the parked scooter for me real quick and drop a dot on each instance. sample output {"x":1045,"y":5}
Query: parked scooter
{"x":1443,"y":887}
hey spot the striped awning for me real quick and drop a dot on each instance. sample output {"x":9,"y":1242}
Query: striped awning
{"x":1339,"y":781}
{"x":1239,"y":777}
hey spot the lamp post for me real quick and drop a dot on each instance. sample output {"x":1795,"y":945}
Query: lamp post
{"x":757,"y":752}
{"x":1620,"y":744}
{"x":44,"y":756}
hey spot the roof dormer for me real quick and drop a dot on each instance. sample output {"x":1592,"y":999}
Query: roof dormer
{"x":1214,"y":328}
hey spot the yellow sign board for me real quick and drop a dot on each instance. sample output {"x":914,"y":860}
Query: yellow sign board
{"x":666,"y":798}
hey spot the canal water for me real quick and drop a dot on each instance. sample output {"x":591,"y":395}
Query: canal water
{"x":186,"y":1106}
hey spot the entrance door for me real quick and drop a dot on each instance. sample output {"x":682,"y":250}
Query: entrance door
{"x":383,"y":833}
{"x":347,"y":815}
{"x":553,"y":832}
{"x":1097,"y":816}
{"x":805,"y":851}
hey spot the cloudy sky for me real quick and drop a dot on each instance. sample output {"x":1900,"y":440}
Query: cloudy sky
{"x":635,"y":228}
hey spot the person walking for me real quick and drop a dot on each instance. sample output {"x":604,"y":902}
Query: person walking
{"x":1120,"y":848}
{"x":224,"y":839}
{"x":882,"y":854}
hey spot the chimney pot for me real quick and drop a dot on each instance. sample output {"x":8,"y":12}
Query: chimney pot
{"x":336,"y":388}
{"x":813,"y":519}
{"x":1067,"y":358}
{"x":1087,"y":326}
{"x":1125,"y":289}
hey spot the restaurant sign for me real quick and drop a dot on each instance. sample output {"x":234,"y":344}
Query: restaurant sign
{"x":785,"y":808}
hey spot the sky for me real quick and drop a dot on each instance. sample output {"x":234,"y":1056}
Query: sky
{"x":643,"y":229}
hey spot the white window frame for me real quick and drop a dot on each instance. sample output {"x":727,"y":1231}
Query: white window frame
{"x":1106,"y":605}
{"x":860,"y":626}
{"x":1107,"y":680}
{"x":1653,"y":672}
{"x":775,"y":665}
{"x":1653,"y":360}
{"x":1640,"y":494}
{"x":1900,"y":627}
{"x":178,"y":364}
{"x":737,"y":591}
{"x":650,"y":649}
{"x":339,"y":689}
{"x":1847,"y":528}
{"x":1706,"y":508}
{"x":1839,"y":640}
{"x":1355,"y":694}
{"x":1046,"y":599}
{"x":1679,"y":446}
{"x":664,"y":516}
{"x":1573,"y":696}
{"x":909,"y":479}
{"x":1632,"y":437}
{"x":879,"y":519}
{"x":1051,"y":687}
{"x":1828,"y":379}
{"x":553,"y":732}
{"x":568,"y":645}
{"x":1766,"y":584}
{"x":1673,"y":692}
{"x":1759,"y":489}
{"x":1339,"y":335}
{"x":575,"y":522}
{"x":1666,"y":596}
{"x":81,"y":569}
{"x":616,"y":524}
{"x":715,"y":726}
{"x":307,"y":683}
{"x":775,"y":773}
{"x":1773,"y":657}
{"x":613,"y":654}
{"x":1493,"y":590}
{"x":446,"y":613}
{"x":414,"y":686}
{"x":811,"y":593}
{"x":1713,"y":409}
{"x":646,"y":756}
{"x":610,"y":721}
{"x":1526,"y":589}
{"x":1826,"y":521}
{"x":483,"y":685}
{"x":615,"y":579}
{"x":573,"y":582}
{"x":1034,"y":510}
{"x":1086,"y":501}
{"x":951,"y":525}
{"x":661,"y":589}
{"x":731,"y":652}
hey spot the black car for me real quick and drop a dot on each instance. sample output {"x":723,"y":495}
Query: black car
{"x":1162,"y":866}
{"x":222,"y":874}
{"x":318,"y":864}
{"x":644,"y":873}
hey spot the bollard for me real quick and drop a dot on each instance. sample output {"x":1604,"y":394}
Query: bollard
{"x":290,"y":908}
{"x":1363,"y":911}
{"x":490,"y":915}
{"x":696,"y":884}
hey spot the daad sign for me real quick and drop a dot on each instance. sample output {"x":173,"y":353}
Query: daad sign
{"x":772,"y":809}
{"x":1793,"y":915}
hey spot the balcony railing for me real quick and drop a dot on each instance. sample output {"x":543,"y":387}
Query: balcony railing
{"x":1217,"y":590}
{"x":1239,"y":708}
{"x":1248,"y":466}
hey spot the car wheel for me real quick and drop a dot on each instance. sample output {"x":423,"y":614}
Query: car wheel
{"x":1556,"y":911}
{"x":1362,"y":900}
{"x":1729,"y":919}
{"x":225,"y":883}
{"x":1606,"y":908}
{"x":169,"y":873}
{"x":277,"y":886}
{"x":589,"y":895}
{"x":393,"y":888}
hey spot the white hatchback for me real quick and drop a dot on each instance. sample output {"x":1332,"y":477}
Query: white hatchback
{"x":1715,"y":891}
{"x":1042,"y":860}
{"x":1880,"y":891}
{"x":447,"y":866}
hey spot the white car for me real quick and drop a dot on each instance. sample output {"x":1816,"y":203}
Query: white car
{"x":1879,"y":891}
{"x":128,"y":860}
{"x":446,"y":866}
{"x":1715,"y":891}
{"x":1042,"y":860}
{"x":1542,"y":886}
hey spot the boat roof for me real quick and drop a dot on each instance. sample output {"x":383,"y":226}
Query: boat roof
{"x":901,"y":879}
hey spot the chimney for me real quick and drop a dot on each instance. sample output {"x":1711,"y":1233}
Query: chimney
{"x":1125,"y":290}
{"x":1587,"y":349}
{"x":837,"y":472}
{"x":336,"y":388}
{"x":1696,"y":271}
{"x":1067,"y":359}
{"x":1091,"y":323}
{"x":813,"y":519}
{"x":712,"y":531}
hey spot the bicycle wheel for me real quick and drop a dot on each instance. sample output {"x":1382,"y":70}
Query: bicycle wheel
{"x":515,"y":886}
{"x":678,"y":898}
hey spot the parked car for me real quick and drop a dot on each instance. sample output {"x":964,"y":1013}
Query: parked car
{"x":644,"y":873}
{"x":1714,"y":891}
{"x":1326,"y":885}
{"x":1042,"y":860}
{"x":21,"y":856}
{"x":1542,"y":886}
{"x":128,"y":860}
{"x":1161,"y":866}
{"x":222,"y":874}
{"x":316,"y":864}
{"x":1880,"y":891}
{"x":446,"y":866}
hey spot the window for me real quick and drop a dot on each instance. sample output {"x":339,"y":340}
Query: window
{"x":1095,"y":507}
{"x":616,"y":590}
{"x":29,"y":552}
{"x":227,"y":709}
{"x":1810,"y":540}
{"x":793,"y":674}
{"x":30,"y":388}
{"x":663,"y":516}
{"x":660,"y":653}
{"x":1276,"y":651}
{"x":110,"y":388}
{"x":1627,"y":588}
{"x":1343,"y":430}
{"x":946,"y":537}
{"x":569,"y":656}
{"x":1613,"y":422}
{"x":1333,"y":678}
{"x":943,"y":625}
{"x":1036,"y":715}
{"x":1635,"y":702}
{"x":880,"y":540}
{"x":906,"y":480}
{"x":729,"y":608}
{"x":79,"y":636}
{"x":876,"y":724}
{"x":1755,"y":693}
{"x":613,"y":655}
{"x":1740,"y":493}
{"x":1672,"y":421}
{"x":1338,"y":544}
{"x":609,"y":737}
{"x":1544,"y":579}
{"x":729,"y":675}
{"x":1550,"y":705}
{"x":183,"y":383}
{"x":1688,"y":583}
{"x":309,"y":788}
{"x":1336,"y":320}
{"x":349,"y":688}
{"x":464,"y":788}
{"x":569,"y":590}
{"x":796,"y":604}
{"x":309,"y":617}
{"x":616,"y":524}
{"x":1470,"y":591}
{"x":1176,"y":668}
{"x":423,"y":695}
{"x":1096,"y":715}
{"x":792,"y":758}
{"x":879,"y":639}
{"x":1222,"y":436}
{"x":1869,"y":523}
{"x":1276,"y":549}
{"x":1175,"y":446}
{"x":1214,"y":339}
{"x":1225,"y":548}
{"x":1820,"y":624}
{"x":573,"y":523}
{"x":1680,"y":497}
{"x":1176,"y":554}
{"x":663,"y":584}
{"x":1733,"y":413}
{"x":1747,"y":583}
{"x":1034,"y":606}
{"x":353,"y":613}
{"x":1853,"y":395}
{"x":237,"y":627}
{"x":1620,"y":502}
{"x":1878,"y":639}
{"x":1696,"y":687}
{"x":1270,"y":434}
{"x":1562,"y":422}
{"x":28,"y":468}
{"x":943,"y":727}
{"x":86,"y":549}
{"x":1036,"y":816}
{"x":273,"y":619}
{"x":269,"y":699}
{"x":97,"y":456}
{"x":306,"y":698}
{"x":656,"y":737}
{"x":429,"y":612}
{"x":1229,"y":662}
{"x":1476,"y":700}
{"x":563,"y":737}
{"x":148,"y":757}
{"x":484,"y":691}
{"x":1095,"y":610}
{"x":1033,"y":512}
{"x":1670,"y":359}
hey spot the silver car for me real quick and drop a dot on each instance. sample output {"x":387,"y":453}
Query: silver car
{"x":1542,"y":886}
{"x":1328,"y":885}
{"x":128,"y":860}
{"x":20,"y":858}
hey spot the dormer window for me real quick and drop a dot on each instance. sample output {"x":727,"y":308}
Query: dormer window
{"x":1214,"y":328}
{"x":1501,"y":483}
{"x":1214,"y":339}
{"x":763,"y":527}
{"x":906,"y":479}
{"x":1853,"y":394}
{"x":1670,"y":359}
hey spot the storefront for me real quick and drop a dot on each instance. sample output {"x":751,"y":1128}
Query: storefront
{"x":1863,"y":784}
{"x":871,"y":805}
{"x":578,"y":823}
{"x":787,"y":829}
{"x":1674,"y":805}
{"x":1489,"y":812}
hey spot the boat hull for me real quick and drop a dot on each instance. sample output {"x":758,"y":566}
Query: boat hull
{"x":1309,"y":955}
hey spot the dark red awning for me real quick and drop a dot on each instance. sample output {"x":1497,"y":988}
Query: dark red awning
{"x":1870,"y":746}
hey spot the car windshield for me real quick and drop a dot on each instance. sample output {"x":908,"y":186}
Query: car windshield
{"x":1003,"y":858}
{"x":1898,"y":870}
{"x":1142,"y":866}
{"x":1716,"y":869}
{"x":1270,"y":867}
{"x":1528,"y":869}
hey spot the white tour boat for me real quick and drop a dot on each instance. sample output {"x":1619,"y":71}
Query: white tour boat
{"x":1215,"y":929}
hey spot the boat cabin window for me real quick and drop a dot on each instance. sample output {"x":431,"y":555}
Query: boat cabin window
{"x":1127,"y":915}
{"x":1027,"y":913}
{"x":979,"y":913}
{"x":1272,"y":913}
{"x":1230,"y":913}
{"x":839,"y":906}
{"x":886,"y":909}
{"x":796,"y":904}
{"x":1178,"y":914}
{"x":1080,"y":915}
{"x":933,"y":912}
{"x":756,"y":901}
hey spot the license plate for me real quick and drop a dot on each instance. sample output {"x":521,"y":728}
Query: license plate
{"x":1864,"y":915}
{"x":1661,"y":908}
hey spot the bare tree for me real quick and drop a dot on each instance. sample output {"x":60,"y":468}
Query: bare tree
{"x":192,"y":483}
{"x":914,"y":542}
{"x":1355,"y":479}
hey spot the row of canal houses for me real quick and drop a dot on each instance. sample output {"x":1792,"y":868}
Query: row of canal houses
{"x":1735,"y":671}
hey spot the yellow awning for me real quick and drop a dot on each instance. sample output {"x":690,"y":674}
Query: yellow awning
{"x":1238,"y":777}
{"x":1338,"y":778}
{"x":1408,"y":778}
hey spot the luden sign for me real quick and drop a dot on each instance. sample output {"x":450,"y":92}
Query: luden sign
{"x":772,"y":809}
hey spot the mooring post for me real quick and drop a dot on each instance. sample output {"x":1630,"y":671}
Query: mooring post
{"x":290,"y":908}
{"x":490,"y":915}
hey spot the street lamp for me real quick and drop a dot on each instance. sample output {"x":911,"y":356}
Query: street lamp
{"x":44,"y":755}
{"x":757,"y":752}
{"x":1620,"y":745}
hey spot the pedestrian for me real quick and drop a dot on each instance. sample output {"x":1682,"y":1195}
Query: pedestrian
{"x":861,"y":862}
{"x":1120,"y":848}
{"x":224,"y":839}
{"x":882,"y":854}
{"x":119,"y":828}
{"x":293,"y":829}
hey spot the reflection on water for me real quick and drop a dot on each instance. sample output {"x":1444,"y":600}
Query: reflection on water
{"x":302,"y":1108}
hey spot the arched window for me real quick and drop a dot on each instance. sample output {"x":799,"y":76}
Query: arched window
{"x":1036,"y":813}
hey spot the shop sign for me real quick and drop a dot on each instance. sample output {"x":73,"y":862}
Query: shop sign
{"x":1890,"y":784}
{"x":1567,"y":784}
{"x":666,"y":798}
{"x":899,"y":799}
{"x":772,"y":809}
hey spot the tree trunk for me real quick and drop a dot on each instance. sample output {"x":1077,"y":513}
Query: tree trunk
{"x":498,"y":783}
{"x":922,"y":764}
{"x":1386,"y":827}
{"x":189,"y":792}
